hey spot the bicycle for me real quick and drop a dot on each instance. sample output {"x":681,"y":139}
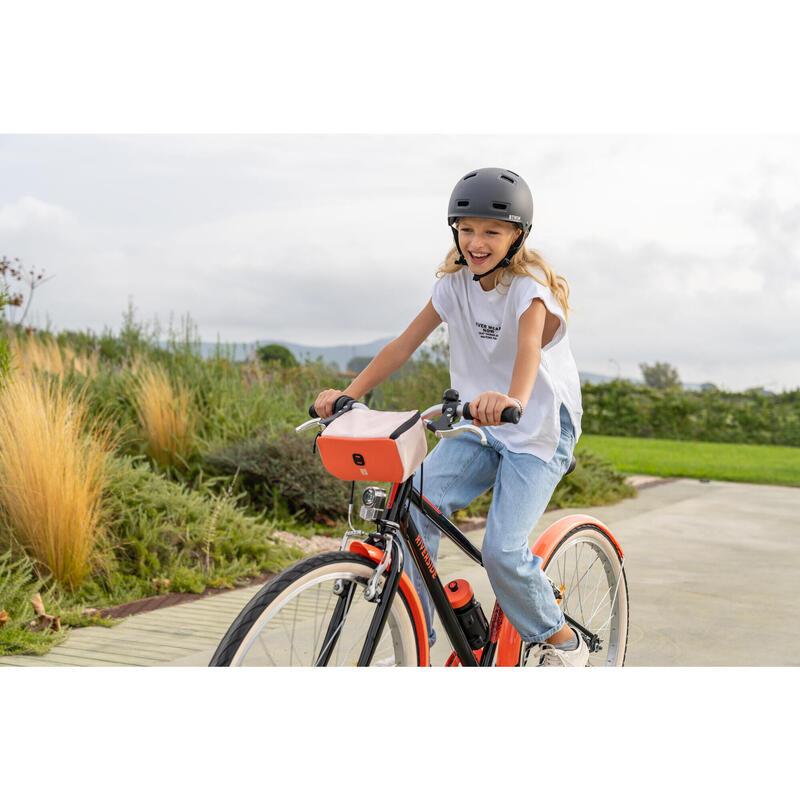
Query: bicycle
{"x":357,"y":607}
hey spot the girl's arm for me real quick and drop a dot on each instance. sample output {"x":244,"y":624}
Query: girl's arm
{"x":529,"y":350}
{"x":488,"y":407}
{"x":387,"y":362}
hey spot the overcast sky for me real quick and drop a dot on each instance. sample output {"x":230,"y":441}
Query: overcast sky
{"x":683,"y":249}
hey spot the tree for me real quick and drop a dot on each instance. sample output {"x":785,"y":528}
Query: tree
{"x":357,"y":363}
{"x":276,"y":352}
{"x":660,"y":375}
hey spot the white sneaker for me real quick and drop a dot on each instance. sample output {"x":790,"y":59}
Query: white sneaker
{"x":550,"y":656}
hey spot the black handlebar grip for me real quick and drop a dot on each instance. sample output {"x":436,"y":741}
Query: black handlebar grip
{"x":338,"y":404}
{"x":511,"y":414}
{"x":341,"y":402}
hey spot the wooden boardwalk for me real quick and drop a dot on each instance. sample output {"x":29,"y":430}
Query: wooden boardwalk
{"x":182,"y":635}
{"x":687,"y":545}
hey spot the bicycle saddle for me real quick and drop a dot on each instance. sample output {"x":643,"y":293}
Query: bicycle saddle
{"x":571,"y":466}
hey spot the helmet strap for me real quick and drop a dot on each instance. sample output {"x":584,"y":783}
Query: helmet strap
{"x":512,"y":251}
{"x":460,"y":261}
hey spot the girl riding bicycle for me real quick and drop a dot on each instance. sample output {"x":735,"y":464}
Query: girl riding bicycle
{"x":506,"y":312}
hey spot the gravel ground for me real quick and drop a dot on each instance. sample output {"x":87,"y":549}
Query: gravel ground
{"x":316,"y":544}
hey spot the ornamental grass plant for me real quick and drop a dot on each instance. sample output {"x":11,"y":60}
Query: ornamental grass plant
{"x":166,"y":414}
{"x":29,"y":353}
{"x":54,"y":460}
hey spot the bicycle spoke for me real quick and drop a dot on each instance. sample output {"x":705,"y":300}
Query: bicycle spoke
{"x":303,"y":621}
{"x":600,"y":576}
{"x":577,"y":584}
{"x":317,"y":619}
{"x":591,"y":573}
{"x":266,"y":651}
{"x":357,"y":638}
{"x":608,"y":592}
{"x":593,"y":602}
{"x":334,"y":636}
{"x":588,"y":570}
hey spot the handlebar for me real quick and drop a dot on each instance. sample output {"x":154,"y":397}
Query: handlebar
{"x":511,"y":414}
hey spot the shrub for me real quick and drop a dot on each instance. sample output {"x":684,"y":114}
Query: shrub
{"x":163,"y":534}
{"x":595,"y":481}
{"x":280,"y":473}
{"x":418,"y":384}
{"x":18,"y":584}
{"x":621,"y":408}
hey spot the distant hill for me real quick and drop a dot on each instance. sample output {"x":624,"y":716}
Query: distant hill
{"x":335,"y":354}
{"x":342,"y":353}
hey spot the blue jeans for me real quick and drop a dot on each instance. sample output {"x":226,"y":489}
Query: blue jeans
{"x":457,"y":471}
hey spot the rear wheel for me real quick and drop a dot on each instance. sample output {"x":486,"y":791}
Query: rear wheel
{"x":586,"y":570}
{"x":290,"y":621}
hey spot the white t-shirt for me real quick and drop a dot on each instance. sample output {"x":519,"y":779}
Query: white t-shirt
{"x":483,"y":347}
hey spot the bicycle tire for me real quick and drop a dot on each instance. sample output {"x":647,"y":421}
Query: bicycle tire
{"x":566,"y":567}
{"x":296,"y":605}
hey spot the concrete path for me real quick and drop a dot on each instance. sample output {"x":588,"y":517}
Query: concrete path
{"x":712,"y":569}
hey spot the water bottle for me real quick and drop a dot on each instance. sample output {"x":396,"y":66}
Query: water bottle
{"x":468,"y":612}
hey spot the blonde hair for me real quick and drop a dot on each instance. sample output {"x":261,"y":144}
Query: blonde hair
{"x":523,"y":262}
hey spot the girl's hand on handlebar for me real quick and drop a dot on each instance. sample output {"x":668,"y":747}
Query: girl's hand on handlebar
{"x":486,"y":408}
{"x":323,"y":405}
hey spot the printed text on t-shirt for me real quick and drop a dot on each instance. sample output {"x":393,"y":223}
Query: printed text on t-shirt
{"x":488,"y":331}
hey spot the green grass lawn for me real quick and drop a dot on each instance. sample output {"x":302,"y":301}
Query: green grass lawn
{"x":751,"y":463}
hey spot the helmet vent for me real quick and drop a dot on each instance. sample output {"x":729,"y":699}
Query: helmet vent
{"x":500,"y":206}
{"x":462,"y":203}
{"x":471,"y":175}
{"x":506,"y":178}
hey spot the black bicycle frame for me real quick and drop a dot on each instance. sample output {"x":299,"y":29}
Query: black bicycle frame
{"x":398,"y":519}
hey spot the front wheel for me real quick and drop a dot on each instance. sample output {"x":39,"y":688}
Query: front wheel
{"x":315,"y":613}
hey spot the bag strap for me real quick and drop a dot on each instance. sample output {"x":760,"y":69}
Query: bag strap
{"x":409,"y":423}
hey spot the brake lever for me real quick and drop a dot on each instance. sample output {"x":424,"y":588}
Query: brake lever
{"x":304,"y":426}
{"x":449,"y":433}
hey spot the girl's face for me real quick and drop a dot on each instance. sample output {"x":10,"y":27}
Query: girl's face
{"x":485,"y":242}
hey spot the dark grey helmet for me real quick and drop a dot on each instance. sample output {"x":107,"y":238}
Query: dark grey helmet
{"x":492,"y":193}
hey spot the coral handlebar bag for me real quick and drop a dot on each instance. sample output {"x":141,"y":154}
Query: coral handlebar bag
{"x":363,"y":444}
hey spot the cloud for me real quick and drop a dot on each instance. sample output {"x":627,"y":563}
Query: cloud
{"x":28,"y":215}
{"x":679,"y":249}
{"x":715,"y":317}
